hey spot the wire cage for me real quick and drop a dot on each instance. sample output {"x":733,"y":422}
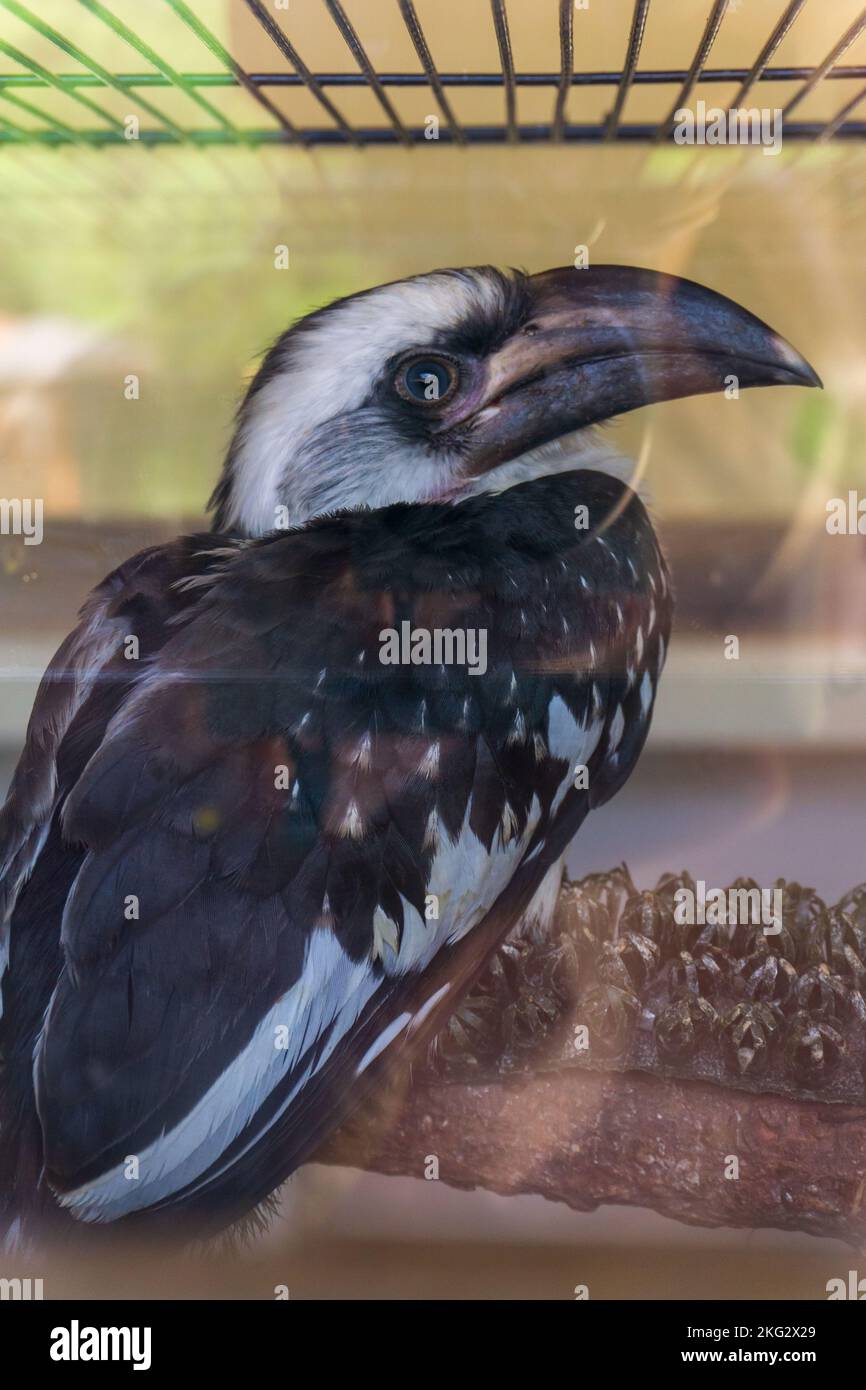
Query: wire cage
{"x":203,"y":88}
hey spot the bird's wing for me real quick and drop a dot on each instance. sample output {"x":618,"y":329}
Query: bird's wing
{"x":88,"y":677}
{"x":75,"y":667}
{"x":137,"y":598}
{"x":282,"y":834}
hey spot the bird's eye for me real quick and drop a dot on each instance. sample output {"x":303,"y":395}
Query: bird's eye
{"x":426,"y":380}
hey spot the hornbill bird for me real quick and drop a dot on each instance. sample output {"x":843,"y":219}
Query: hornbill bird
{"x":244,"y":870}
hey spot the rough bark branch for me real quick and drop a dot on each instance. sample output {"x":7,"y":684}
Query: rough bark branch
{"x":588,"y":1138}
{"x":512,"y":1112}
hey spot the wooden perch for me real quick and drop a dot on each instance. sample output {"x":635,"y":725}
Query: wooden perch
{"x":505,"y":1102}
{"x":586,"y":1138}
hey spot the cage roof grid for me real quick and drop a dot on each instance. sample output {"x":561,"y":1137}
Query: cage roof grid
{"x":85,"y":86}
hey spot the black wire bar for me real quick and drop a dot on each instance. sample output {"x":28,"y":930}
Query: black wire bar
{"x":81,"y":87}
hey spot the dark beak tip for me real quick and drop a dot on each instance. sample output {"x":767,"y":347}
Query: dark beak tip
{"x":804,"y":374}
{"x":794,"y":364}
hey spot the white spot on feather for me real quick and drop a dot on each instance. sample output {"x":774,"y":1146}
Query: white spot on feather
{"x":646,"y":693}
{"x":565,"y":736}
{"x":385,"y":1037}
{"x":617,"y":729}
{"x":517,"y":732}
{"x":432,"y":832}
{"x":427,"y":1006}
{"x":362,"y":754}
{"x":351,"y":826}
{"x":385,"y":934}
{"x":507,"y":824}
{"x":429,"y":764}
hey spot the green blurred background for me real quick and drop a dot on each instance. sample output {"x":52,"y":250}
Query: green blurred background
{"x":166,"y":257}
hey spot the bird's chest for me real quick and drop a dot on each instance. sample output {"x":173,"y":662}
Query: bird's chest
{"x":510,"y":676}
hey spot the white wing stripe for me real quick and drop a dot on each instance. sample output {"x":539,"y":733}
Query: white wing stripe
{"x":330,"y":986}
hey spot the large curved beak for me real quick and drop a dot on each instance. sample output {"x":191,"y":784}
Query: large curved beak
{"x":607,"y":339}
